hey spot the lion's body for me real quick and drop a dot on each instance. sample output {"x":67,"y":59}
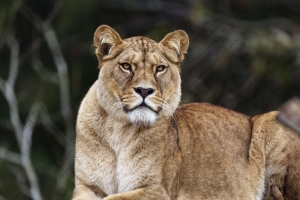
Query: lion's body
{"x":136,"y":143}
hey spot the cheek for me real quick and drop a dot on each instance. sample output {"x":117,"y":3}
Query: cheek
{"x":169,"y":83}
{"x":122,"y":81}
{"x":117,"y":78}
{"x":112,"y":81}
{"x":164,"y":81}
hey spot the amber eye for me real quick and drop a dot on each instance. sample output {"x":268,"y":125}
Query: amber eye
{"x":160,"y":68}
{"x":126,"y":66}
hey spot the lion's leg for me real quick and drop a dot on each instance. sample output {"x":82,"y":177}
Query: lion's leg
{"x":140,"y":193}
{"x":83,"y":192}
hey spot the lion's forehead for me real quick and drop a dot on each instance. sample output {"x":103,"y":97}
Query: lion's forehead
{"x":137,"y":57}
{"x":142,"y":42}
{"x":142,"y":49}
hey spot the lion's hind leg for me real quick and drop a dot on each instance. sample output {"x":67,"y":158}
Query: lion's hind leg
{"x":282,"y":158}
{"x":292,"y":179}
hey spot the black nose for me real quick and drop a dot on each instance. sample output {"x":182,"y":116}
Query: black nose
{"x":144,"y":92}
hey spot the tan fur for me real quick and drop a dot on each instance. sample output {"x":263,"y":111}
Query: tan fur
{"x":166,"y":151}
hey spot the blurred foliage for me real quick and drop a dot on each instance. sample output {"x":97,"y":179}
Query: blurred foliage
{"x":243,"y":55}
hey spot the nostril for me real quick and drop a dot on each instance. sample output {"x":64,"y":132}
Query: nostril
{"x":138,"y":90}
{"x":150,"y":91}
{"x":144,"y":92}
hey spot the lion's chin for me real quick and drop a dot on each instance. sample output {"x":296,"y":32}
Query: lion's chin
{"x":142,"y":116}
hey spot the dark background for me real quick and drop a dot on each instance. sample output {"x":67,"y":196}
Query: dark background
{"x":243,"y":55}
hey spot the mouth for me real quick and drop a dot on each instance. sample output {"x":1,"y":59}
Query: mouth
{"x":142,"y":105}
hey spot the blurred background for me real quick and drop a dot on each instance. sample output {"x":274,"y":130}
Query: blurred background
{"x":243,"y":55}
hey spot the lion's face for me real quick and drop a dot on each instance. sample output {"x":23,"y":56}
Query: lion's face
{"x":139,"y":79}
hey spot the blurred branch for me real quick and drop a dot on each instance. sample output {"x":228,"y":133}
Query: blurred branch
{"x":43,"y":72}
{"x":65,"y":105}
{"x":63,"y":77}
{"x":21,"y":181}
{"x":7,"y":87}
{"x":23,"y":134}
{"x":55,"y":131}
{"x":10,"y":156}
{"x":282,"y":23}
{"x":28,"y":128}
{"x":56,"y":8}
{"x":245,"y":25}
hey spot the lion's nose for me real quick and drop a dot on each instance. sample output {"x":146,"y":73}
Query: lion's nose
{"x":144,"y":92}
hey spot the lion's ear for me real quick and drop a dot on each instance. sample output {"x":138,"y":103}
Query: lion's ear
{"x":105,"y":38}
{"x":178,"y":42}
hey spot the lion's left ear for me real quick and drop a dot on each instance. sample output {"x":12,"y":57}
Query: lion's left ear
{"x":178,"y":42}
{"x":105,"y":38}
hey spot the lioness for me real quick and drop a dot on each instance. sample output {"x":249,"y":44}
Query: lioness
{"x":135,"y":143}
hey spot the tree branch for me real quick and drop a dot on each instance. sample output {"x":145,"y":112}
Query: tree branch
{"x":22,"y":134}
{"x":10,"y":156}
{"x":64,"y":85}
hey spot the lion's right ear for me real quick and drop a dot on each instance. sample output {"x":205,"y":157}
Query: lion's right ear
{"x":105,"y":38}
{"x":177,"y":42}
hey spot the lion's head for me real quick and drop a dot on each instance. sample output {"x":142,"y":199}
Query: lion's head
{"x":139,"y":79}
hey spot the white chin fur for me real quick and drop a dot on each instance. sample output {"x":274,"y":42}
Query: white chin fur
{"x":142,"y":116}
